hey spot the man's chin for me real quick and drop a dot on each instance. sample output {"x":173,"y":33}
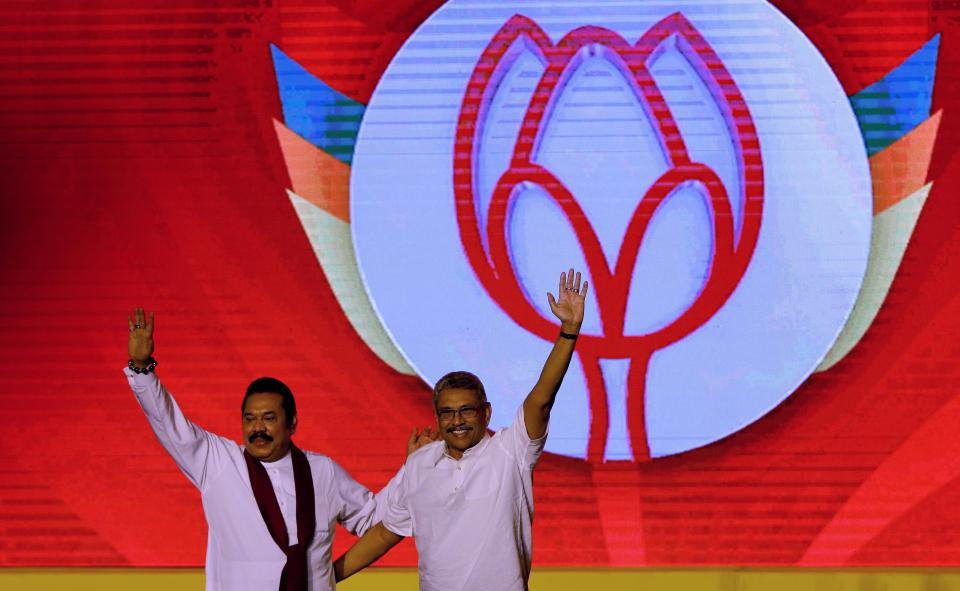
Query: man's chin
{"x":261,"y":453}
{"x":460,"y":443}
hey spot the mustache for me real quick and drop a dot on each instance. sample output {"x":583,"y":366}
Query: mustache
{"x":452,"y":428}
{"x":260,"y":435}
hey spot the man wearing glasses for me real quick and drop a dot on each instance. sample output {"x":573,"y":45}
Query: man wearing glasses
{"x":468,"y":499}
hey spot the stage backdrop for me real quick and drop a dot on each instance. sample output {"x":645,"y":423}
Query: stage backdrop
{"x":358,"y":196}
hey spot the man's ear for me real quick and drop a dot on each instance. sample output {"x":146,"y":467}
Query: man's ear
{"x":487,"y":413}
{"x":293,"y":425}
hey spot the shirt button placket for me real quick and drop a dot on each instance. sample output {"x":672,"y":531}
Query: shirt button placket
{"x":458,"y":477}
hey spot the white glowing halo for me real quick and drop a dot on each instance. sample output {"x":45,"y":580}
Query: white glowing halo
{"x":754,"y":352}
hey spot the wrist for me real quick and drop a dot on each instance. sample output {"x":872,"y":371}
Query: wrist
{"x":570,"y":327}
{"x":142,"y":367}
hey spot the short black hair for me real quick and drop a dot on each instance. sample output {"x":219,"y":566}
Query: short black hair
{"x":267,"y":385}
{"x":459,"y":380}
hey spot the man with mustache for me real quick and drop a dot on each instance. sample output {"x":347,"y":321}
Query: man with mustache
{"x":270,"y":507}
{"x":468,"y":500}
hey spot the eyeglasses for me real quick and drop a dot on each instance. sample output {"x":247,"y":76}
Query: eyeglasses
{"x":466,"y":412}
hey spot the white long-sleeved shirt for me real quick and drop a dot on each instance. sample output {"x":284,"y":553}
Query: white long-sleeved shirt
{"x":473,"y":517}
{"x":241,"y":554}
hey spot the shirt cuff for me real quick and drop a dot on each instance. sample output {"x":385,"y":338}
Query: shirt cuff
{"x":139,"y":380}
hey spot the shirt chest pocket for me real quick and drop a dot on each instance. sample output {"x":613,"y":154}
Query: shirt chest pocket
{"x":322,"y":538}
{"x":482,"y":481}
{"x":326,"y":520}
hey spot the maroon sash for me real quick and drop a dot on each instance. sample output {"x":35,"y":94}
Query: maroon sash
{"x":295,"y":572}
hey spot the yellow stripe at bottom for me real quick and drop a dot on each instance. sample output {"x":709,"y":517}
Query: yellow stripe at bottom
{"x":546,"y":579}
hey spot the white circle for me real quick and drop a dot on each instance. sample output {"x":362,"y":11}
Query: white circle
{"x":754,"y":352}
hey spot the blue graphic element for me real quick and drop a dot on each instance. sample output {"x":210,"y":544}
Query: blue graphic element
{"x":324,"y":117}
{"x":890,"y":108}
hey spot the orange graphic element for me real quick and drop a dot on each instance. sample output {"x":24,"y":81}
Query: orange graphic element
{"x":900,"y":170}
{"x":315,"y":175}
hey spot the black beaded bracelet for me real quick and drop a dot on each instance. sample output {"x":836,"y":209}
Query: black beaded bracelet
{"x":151,"y":365}
{"x":567,"y":335}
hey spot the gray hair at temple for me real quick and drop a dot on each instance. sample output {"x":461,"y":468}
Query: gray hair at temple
{"x":460,"y":380}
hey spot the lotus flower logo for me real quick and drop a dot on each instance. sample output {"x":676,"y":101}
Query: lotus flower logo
{"x":493,"y":266}
{"x":486,"y":153}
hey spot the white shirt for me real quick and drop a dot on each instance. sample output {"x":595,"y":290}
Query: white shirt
{"x":241,"y":554}
{"x":285,"y":489}
{"x":472,"y":518}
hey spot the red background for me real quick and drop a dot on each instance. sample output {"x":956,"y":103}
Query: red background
{"x":140,"y":167}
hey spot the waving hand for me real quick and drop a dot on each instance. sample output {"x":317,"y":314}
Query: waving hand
{"x":568,"y":305}
{"x":140,"y":343}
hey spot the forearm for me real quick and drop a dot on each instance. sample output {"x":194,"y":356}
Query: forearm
{"x":555,"y":367}
{"x":160,"y":407}
{"x":541,"y":398}
{"x":187,"y":443}
{"x":151,"y":395}
{"x":368,"y":549}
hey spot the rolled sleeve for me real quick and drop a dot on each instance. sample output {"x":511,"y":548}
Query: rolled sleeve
{"x":395,"y":511}
{"x":526,"y":450}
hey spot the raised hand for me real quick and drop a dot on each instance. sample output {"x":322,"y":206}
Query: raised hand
{"x":140,"y":343}
{"x":568,"y":305}
{"x":420,"y":438}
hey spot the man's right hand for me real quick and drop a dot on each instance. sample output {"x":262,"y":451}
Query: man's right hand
{"x":140,"y":344}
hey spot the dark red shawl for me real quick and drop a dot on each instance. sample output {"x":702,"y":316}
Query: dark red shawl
{"x":296,"y":572}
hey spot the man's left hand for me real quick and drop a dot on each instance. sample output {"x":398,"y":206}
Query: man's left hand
{"x":568,"y":305}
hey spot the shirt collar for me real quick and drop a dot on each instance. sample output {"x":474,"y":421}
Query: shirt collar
{"x":279,"y":463}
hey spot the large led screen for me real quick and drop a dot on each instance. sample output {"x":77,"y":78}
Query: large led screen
{"x":358,"y":197}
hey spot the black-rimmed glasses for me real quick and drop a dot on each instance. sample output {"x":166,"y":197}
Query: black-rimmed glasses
{"x":466,"y":412}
